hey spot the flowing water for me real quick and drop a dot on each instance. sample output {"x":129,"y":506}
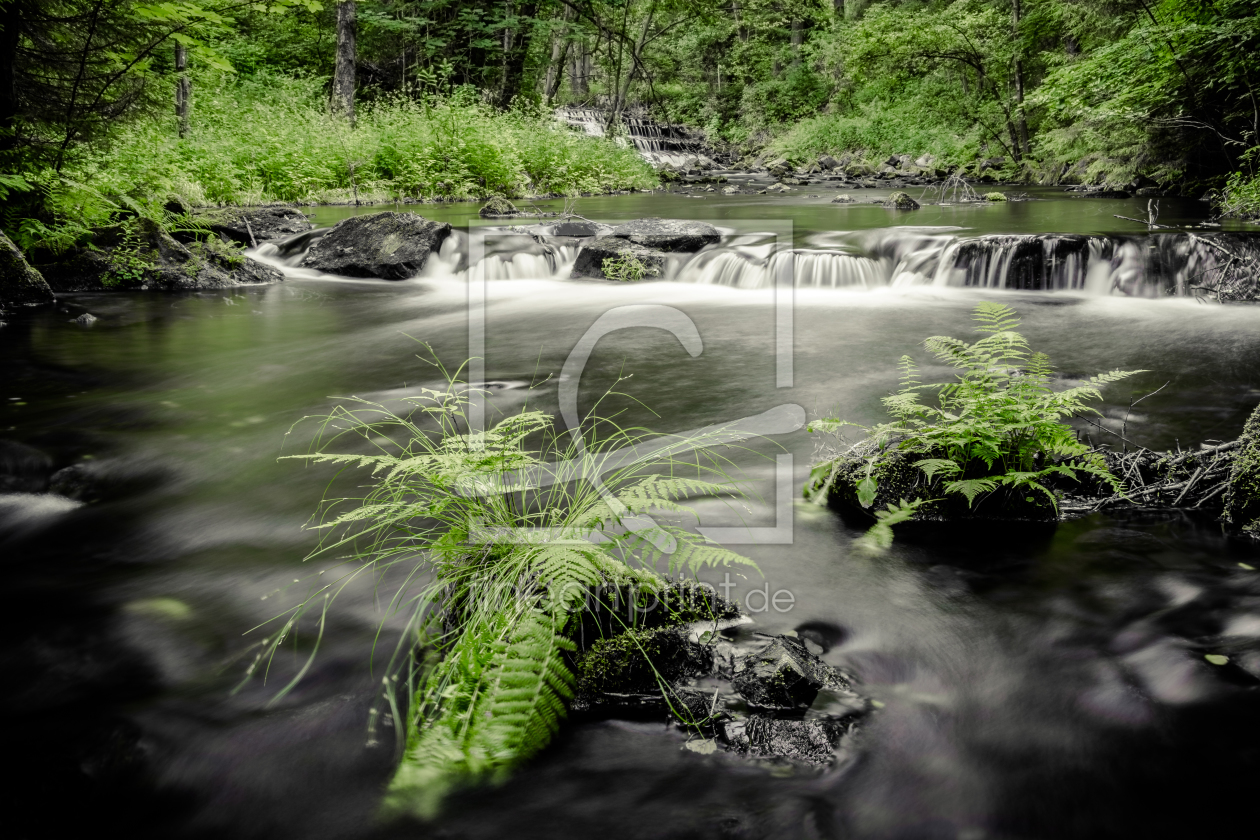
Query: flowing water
{"x":1031,"y":686}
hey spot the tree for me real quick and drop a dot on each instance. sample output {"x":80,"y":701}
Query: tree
{"x":344,"y":74}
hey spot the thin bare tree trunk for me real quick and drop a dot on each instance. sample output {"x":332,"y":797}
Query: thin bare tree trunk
{"x":798,"y":38}
{"x":183,"y":90}
{"x":10,"y":33}
{"x":343,"y":75}
{"x":1020,"y":120}
{"x":560,"y":42}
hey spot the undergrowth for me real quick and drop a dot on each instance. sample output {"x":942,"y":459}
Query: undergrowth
{"x":998,"y":427}
{"x":499,"y":538}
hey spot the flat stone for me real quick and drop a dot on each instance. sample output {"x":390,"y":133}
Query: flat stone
{"x":590,"y":260}
{"x":672,"y":235}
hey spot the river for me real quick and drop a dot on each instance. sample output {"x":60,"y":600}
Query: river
{"x":1047,"y":687}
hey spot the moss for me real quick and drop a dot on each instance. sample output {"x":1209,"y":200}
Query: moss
{"x":994,"y":196}
{"x":901,"y":201}
{"x":1242,"y":498}
{"x":497,"y":207}
{"x":630,"y":662}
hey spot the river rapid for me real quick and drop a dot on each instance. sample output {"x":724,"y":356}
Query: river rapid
{"x":1030,"y":686}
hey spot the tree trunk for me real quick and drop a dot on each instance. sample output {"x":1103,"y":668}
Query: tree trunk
{"x":183,"y":89}
{"x":740,"y":28}
{"x":837,"y":6}
{"x":1020,"y":120}
{"x":798,"y":38}
{"x":560,"y":42}
{"x":11,"y":21}
{"x":516,"y":53}
{"x":343,"y":74}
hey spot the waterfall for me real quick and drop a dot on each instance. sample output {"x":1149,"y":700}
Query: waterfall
{"x":656,"y":143}
{"x":1153,"y":265}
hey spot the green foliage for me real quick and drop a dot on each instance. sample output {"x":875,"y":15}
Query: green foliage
{"x":997,"y":427}
{"x":270,"y":138}
{"x":1241,"y":197}
{"x":628,"y":268}
{"x":499,"y":537}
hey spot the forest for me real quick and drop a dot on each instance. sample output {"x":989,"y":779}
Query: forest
{"x":110,"y":106}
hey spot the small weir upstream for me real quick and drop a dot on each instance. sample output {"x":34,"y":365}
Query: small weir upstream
{"x":1058,"y":684}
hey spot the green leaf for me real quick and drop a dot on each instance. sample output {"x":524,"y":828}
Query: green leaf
{"x":1216,"y":659}
{"x":866,"y":490}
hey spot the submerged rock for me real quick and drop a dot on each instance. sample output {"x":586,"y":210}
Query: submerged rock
{"x":784,"y":674}
{"x":1242,"y":498}
{"x":143,"y":255}
{"x":806,"y":741}
{"x":248,"y":226}
{"x":901,"y":201}
{"x":390,"y":245}
{"x":19,"y":282}
{"x":23,"y":469}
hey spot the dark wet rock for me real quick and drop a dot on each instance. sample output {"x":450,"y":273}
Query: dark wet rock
{"x":806,"y":741}
{"x":106,"y":480}
{"x":901,"y":201}
{"x":590,"y":260}
{"x":20,"y":283}
{"x":828,"y":162}
{"x":390,"y":245}
{"x":23,"y":469}
{"x":498,"y":207}
{"x":143,"y":255}
{"x":248,"y":226}
{"x":87,"y":319}
{"x":671,"y":235}
{"x":779,"y":167}
{"x":1242,"y":498}
{"x":784,"y":674}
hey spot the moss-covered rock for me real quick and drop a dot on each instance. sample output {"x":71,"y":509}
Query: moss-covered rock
{"x":897,"y":479}
{"x":498,"y":207}
{"x":1242,"y":498}
{"x":19,"y":282}
{"x":901,"y":201}
{"x":248,"y":226}
{"x":140,"y":254}
{"x":634,"y":661}
{"x":995,"y":196}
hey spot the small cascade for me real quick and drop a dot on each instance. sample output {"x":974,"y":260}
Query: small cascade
{"x":1222,"y":265}
{"x":658,"y":144}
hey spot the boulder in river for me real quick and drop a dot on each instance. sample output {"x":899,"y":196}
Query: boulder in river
{"x":390,"y":245}
{"x":828,"y":162}
{"x":590,"y":260}
{"x":248,"y":226}
{"x":19,"y":282}
{"x":901,"y":201}
{"x":784,"y":674}
{"x":23,"y":469}
{"x":140,"y":254}
{"x":805,"y":741}
{"x":498,"y":207}
{"x":671,"y":235}
{"x":1242,"y":498}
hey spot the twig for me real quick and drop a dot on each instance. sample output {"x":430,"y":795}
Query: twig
{"x":250,"y":231}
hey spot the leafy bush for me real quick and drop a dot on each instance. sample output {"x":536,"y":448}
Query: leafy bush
{"x":498,"y":525}
{"x":997,"y":427}
{"x":628,"y":268}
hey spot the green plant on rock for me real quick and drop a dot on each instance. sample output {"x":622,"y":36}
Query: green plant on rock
{"x":499,"y":538}
{"x":998,"y":428}
{"x":628,"y":268}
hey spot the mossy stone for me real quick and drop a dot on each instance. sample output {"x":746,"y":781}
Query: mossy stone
{"x":498,"y":207}
{"x":1242,"y":497}
{"x":901,"y":201}
{"x":994,"y":196}
{"x":19,"y":282}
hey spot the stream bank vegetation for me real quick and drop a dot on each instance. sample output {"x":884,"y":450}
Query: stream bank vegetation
{"x":498,"y":548}
{"x":994,"y":445}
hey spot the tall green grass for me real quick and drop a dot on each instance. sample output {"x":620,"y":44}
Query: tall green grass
{"x":270,"y":138}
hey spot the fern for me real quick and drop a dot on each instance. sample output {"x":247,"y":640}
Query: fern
{"x":511,"y":532}
{"x":998,"y":426}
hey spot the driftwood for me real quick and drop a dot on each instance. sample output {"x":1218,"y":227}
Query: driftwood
{"x":1193,"y":480}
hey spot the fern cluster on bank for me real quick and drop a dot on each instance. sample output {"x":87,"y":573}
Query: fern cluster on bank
{"x":998,"y":428}
{"x":502,"y":538}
